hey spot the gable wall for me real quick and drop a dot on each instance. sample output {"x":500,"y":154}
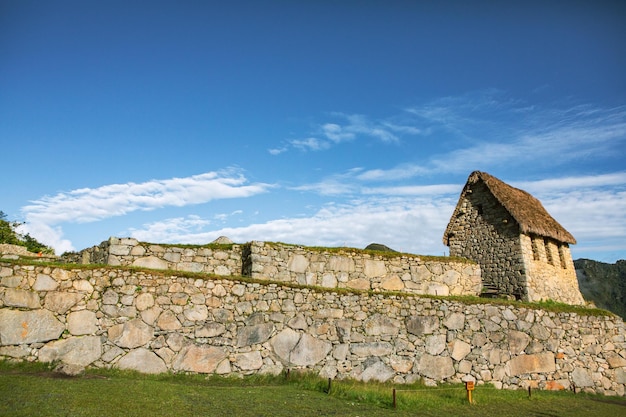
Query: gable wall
{"x":550,"y":271}
{"x":485,"y":232}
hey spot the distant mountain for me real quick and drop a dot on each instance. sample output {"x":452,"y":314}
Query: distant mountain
{"x":379,"y":247}
{"x":603,"y":284}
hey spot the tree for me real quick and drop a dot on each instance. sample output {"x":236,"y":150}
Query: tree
{"x":9,"y":234}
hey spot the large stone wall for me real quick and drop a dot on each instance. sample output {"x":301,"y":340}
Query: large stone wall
{"x":154,"y":321}
{"x":361,"y":270}
{"x":345,"y":268}
{"x":211,"y":259}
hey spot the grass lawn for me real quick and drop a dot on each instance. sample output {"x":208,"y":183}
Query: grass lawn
{"x":33,"y":390}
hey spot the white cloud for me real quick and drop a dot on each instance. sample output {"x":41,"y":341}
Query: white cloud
{"x":410,"y":225}
{"x":277,"y":151}
{"x":400,"y":172}
{"x":326,"y":135}
{"x":572,"y":183}
{"x":416,"y":190}
{"x":361,"y":125}
{"x":328,"y":187}
{"x":310,"y":144}
{"x":413,"y":219}
{"x":93,"y":204}
{"x":169,"y":230}
{"x":336,"y":133}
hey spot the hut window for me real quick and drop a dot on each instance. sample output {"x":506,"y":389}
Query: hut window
{"x":479,"y":208}
{"x":546,"y":243}
{"x":562,"y":257}
{"x":533,"y":244}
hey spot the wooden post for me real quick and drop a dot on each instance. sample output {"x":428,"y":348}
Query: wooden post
{"x":469,"y":387}
{"x":394,"y":398}
{"x":328,"y":392}
{"x":529,"y":394}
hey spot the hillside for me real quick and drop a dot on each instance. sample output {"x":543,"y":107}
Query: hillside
{"x":603,"y":284}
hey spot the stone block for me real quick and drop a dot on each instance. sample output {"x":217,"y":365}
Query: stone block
{"x":168,"y":321}
{"x":375,"y":369}
{"x":143,"y":301}
{"x":196,"y":313}
{"x":582,"y":378}
{"x":359,"y":284}
{"x":421,"y":325}
{"x":366,"y":349}
{"x":530,"y":364}
{"x":200,"y":359}
{"x":455,"y":321}
{"x":82,"y":322}
{"x":151,"y":262}
{"x":252,"y":335}
{"x":438,"y":289}
{"x":309,"y":351}
{"x":298,"y":263}
{"x":374,"y":268}
{"x":142,"y":360}
{"x":284,"y":342}
{"x":381,"y":325}
{"x":435,"y":344}
{"x":249,"y":361}
{"x":436,"y":367}
{"x":459,"y":349}
{"x":518,"y":341}
{"x":83,"y":285}
{"x":189,"y":266}
{"x":392,"y":284}
{"x":211,"y":329}
{"x":132,"y":334}
{"x":21,"y":298}
{"x":119,"y":250}
{"x":341,"y":264}
{"x":614,"y":360}
{"x":80,"y":351}
{"x":20,"y":327}
{"x":45,"y":283}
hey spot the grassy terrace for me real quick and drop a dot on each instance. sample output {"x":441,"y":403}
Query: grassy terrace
{"x":549,"y":306}
{"x":384,"y":254}
{"x":33,"y":389}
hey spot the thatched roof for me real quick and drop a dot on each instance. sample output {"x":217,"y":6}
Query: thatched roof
{"x":527,"y":211}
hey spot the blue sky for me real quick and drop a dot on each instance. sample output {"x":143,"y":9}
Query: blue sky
{"x":318,"y":123}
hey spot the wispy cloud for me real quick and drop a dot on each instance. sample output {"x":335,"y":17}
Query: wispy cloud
{"x":349,"y":127}
{"x":545,"y":138}
{"x":416,"y":190}
{"x":310,"y":144}
{"x":572,"y":183}
{"x":92,"y":204}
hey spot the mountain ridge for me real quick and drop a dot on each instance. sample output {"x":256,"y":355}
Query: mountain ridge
{"x":603,"y":284}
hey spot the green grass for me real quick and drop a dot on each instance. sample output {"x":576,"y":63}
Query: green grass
{"x":29,"y":389}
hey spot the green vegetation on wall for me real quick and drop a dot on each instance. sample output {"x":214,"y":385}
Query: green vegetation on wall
{"x":10,"y":235}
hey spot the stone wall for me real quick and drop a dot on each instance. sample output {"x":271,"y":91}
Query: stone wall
{"x":550,"y":276}
{"x":156,"y":321}
{"x":485,"y":232}
{"x":360,"y":270}
{"x":345,"y":268}
{"x":219,"y":259}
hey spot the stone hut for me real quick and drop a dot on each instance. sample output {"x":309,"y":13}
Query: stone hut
{"x":522,"y":251}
